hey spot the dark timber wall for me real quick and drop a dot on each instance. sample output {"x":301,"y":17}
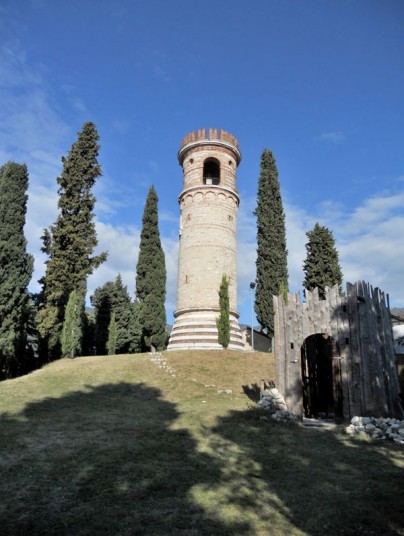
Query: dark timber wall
{"x":358,"y":334}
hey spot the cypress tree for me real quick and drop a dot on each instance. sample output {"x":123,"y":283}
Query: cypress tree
{"x":321,"y":267}
{"x":122,"y":308}
{"x":70,"y":242}
{"x":113,"y":298}
{"x":72,"y":333}
{"x":135,"y":345}
{"x":151,"y":278}
{"x":223,"y":322}
{"x":101,"y":300}
{"x":16,"y":267}
{"x":272,"y":269}
{"x":88,"y":333}
{"x":112,"y":336}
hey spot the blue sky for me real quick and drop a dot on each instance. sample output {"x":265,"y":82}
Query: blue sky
{"x":320,"y":83}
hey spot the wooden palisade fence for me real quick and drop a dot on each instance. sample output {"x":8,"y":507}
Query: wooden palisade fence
{"x":336,"y":356}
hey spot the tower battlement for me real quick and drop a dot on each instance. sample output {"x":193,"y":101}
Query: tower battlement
{"x":211,"y":135}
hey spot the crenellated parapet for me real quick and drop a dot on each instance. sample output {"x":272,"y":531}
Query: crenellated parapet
{"x":212,"y":136}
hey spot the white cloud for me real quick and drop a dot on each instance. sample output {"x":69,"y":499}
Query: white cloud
{"x":334,"y":136}
{"x":122,"y":245}
{"x":373,"y":211}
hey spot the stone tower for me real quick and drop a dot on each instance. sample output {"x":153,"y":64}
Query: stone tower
{"x":208,"y":225}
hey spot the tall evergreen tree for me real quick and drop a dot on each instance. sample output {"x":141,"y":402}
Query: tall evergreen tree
{"x":72,"y":333}
{"x":321,"y":267}
{"x":112,"y":336}
{"x":70,"y":242}
{"x":122,"y":308}
{"x":135,"y":346}
{"x":223,"y":322}
{"x":272,"y":268}
{"x":88,"y":346}
{"x":16,"y":267}
{"x":151,"y":278}
{"x":113,"y":298}
{"x":102,"y":300}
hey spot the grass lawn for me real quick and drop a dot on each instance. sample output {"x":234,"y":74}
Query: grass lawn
{"x":117,"y":446}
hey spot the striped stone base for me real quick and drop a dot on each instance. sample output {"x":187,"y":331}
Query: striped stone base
{"x":196,"y":329}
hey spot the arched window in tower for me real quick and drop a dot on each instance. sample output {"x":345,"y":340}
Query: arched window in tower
{"x":211,"y":171}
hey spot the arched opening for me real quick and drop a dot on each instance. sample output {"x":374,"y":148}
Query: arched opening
{"x":211,"y":171}
{"x":321,"y":377}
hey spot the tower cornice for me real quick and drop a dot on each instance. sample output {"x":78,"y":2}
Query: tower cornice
{"x":211,"y":188}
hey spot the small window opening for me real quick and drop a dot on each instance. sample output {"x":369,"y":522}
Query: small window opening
{"x":211,"y":171}
{"x":292,"y":346}
{"x":344,"y":308}
{"x":346,"y":340}
{"x":186,"y":279}
{"x":188,"y":217}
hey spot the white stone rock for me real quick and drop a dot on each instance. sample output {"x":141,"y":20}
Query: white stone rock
{"x":281,"y":406}
{"x":369,"y":427}
{"x":265,"y":403}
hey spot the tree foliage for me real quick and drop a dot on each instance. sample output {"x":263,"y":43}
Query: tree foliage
{"x":72,"y":333}
{"x":223,"y":322}
{"x":112,"y":336}
{"x":321,"y":266}
{"x":102,"y":300}
{"x":113,"y":298}
{"x":151,"y":278}
{"x":70,"y":242}
{"x":135,"y":329}
{"x":16,"y":267}
{"x":272,"y":269}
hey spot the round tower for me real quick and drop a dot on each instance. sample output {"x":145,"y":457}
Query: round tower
{"x":208,"y":239}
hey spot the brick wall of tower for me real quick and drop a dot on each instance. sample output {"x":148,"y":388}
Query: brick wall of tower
{"x":208,"y":243}
{"x":207,"y":247}
{"x":208,"y":239}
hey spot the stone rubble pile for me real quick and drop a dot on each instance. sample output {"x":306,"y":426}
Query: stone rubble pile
{"x":273,"y":402}
{"x":158,"y":359}
{"x":378,"y":428}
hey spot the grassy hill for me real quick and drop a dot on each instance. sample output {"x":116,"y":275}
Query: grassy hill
{"x":126,"y":445}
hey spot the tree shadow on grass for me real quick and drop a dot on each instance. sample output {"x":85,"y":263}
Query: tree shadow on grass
{"x":300,"y":481}
{"x":105,"y":461}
